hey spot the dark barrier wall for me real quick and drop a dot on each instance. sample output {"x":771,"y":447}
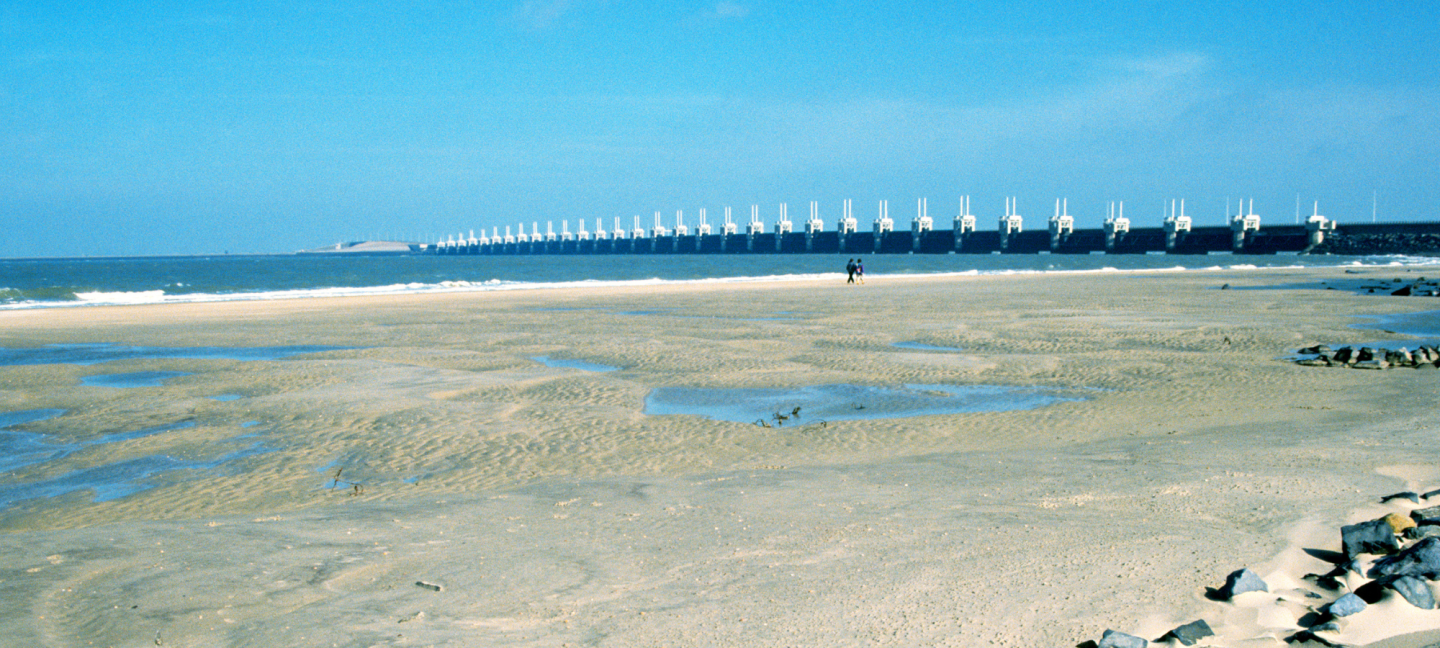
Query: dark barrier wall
{"x":1200,"y":240}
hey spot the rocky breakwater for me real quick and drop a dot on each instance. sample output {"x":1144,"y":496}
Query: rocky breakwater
{"x":1380,"y":583}
{"x":1373,"y":244}
{"x":1424,"y":357}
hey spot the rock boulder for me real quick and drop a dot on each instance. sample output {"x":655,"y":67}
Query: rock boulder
{"x":1240,"y":582}
{"x":1421,"y":560}
{"x":1373,"y":537}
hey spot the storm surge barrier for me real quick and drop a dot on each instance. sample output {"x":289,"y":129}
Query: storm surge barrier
{"x":1176,"y":235}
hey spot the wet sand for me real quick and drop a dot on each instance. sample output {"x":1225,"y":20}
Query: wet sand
{"x":550,"y":510}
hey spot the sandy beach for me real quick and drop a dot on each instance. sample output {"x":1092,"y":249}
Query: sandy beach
{"x":504,"y":502}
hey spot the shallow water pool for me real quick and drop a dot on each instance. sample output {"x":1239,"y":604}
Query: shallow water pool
{"x":566,"y":363}
{"x":21,"y":449}
{"x":921,"y":346}
{"x":8,"y":419}
{"x":133,"y":379}
{"x":846,"y":402}
{"x":115,"y":480}
{"x":1425,"y":324}
{"x":89,"y":354}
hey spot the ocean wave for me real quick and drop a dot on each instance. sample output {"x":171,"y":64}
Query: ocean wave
{"x":13,"y":299}
{"x":1405,"y":260}
{"x":120,"y":298}
{"x":15,"y":295}
{"x":132,"y":298}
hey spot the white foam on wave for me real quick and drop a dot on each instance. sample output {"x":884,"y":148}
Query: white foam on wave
{"x":109,"y":298}
{"x":1402,"y":260}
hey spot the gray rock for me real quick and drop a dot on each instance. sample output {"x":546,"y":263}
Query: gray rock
{"x":1429,"y":494}
{"x":1346,"y":605}
{"x":1240,"y":582}
{"x":1373,"y":365}
{"x":1421,"y":560}
{"x":1313,"y":362}
{"x":1422,"y":532}
{"x":1113,"y":639}
{"x":1429,"y":515}
{"x":1399,"y":358}
{"x":1190,"y":633}
{"x":1416,"y":591}
{"x":1412,"y":496}
{"x":1373,"y":537}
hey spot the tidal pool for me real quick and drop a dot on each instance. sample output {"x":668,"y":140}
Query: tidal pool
{"x":20,"y":449}
{"x":8,"y":419}
{"x":573,"y":364}
{"x":89,"y":354}
{"x":921,"y":346}
{"x":1424,"y":324}
{"x":115,"y":480}
{"x":133,"y":379}
{"x":846,"y":402}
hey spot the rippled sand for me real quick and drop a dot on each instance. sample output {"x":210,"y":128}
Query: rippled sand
{"x":551,"y":511}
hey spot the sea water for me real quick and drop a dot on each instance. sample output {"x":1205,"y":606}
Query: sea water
{"x":48,"y":283}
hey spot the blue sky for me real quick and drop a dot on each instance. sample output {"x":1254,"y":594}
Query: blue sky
{"x":200,"y":127}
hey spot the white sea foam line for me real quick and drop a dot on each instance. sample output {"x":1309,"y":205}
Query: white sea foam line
{"x":98,"y":298}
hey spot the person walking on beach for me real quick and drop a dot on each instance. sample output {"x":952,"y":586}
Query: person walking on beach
{"x":850,"y":270}
{"x":860,"y":270}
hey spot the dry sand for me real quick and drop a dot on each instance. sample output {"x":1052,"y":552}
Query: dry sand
{"x":550,"y":511}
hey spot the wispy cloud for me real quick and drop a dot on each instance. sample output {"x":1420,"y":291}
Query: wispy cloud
{"x":541,"y":14}
{"x":729,"y":10}
{"x":49,"y":56}
{"x":1176,"y":64}
{"x":544,"y":14}
{"x":1176,"y":109}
